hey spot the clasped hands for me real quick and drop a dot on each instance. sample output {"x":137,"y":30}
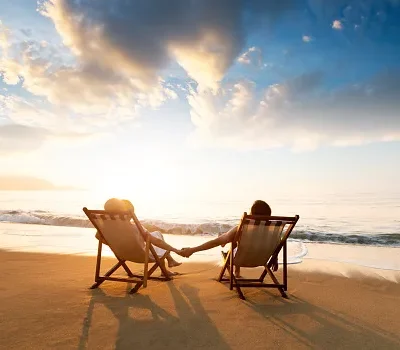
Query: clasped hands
{"x":185,"y":252}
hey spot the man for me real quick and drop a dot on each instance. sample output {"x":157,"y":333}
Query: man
{"x":259,"y":207}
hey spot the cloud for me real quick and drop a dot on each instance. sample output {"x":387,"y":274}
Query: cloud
{"x":26,"y":31}
{"x":16,"y":138}
{"x":145,"y":37}
{"x":204,"y":37}
{"x":297,"y":114}
{"x":82,"y":89}
{"x":252,"y":56}
{"x":40,"y":114}
{"x":336,"y":24}
{"x":26,"y":125}
{"x":115,"y":53}
{"x":307,"y":38}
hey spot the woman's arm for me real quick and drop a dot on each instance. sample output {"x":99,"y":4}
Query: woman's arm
{"x":158,"y":242}
{"x":162,"y":244}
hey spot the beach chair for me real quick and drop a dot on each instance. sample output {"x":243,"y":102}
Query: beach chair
{"x":116,"y":230}
{"x":258,"y":241}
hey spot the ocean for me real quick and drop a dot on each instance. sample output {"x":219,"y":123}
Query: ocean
{"x":362,"y":219}
{"x":360,"y":229}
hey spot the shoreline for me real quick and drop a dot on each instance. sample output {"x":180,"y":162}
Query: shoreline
{"x":81,"y":241}
{"x":210,"y":228}
{"x":46,"y":298}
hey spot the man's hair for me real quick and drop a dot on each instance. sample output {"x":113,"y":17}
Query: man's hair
{"x":260,"y":208}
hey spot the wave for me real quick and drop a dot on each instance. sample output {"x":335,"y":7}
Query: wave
{"x":40,"y":217}
{"x":211,"y":228}
{"x":376,"y":239}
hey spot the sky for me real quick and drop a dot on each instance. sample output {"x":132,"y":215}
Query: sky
{"x":221,"y":99}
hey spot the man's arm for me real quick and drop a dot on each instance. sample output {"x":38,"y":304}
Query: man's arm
{"x":221,"y":240}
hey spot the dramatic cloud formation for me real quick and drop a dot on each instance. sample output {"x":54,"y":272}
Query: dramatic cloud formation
{"x":120,"y":56}
{"x":204,"y":37}
{"x":84,"y":89}
{"x":117,"y":54}
{"x":297,"y":114}
{"x":120,"y":50}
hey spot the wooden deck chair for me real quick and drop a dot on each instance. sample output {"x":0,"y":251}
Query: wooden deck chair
{"x":115,"y":230}
{"x":258,"y":241}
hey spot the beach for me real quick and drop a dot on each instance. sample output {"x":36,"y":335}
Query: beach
{"x":342,"y":295}
{"x":46,"y":304}
{"x":263,"y":131}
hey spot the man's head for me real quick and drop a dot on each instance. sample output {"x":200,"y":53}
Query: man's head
{"x":260,"y":208}
{"x":116,"y":204}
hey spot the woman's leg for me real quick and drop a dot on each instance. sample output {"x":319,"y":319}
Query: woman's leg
{"x":170,"y":273}
{"x":237,"y":271}
{"x":160,"y":252}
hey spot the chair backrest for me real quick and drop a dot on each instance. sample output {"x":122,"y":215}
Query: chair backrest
{"x":261,"y":237}
{"x":123,"y":237}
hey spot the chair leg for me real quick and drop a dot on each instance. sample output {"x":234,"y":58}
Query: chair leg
{"x":223,"y":269}
{"x":285,"y":265}
{"x":96,"y":284}
{"x":136,"y":288}
{"x":146,"y":261}
{"x":262,"y":277}
{"x":233,"y":282}
{"x":150,"y":272}
{"x":158,"y":264}
{"x":127,"y":269}
{"x":98,"y":263}
{"x":152,"y":269}
{"x":239,"y":291}
{"x":281,"y":290}
{"x":100,"y":280}
{"x":231,"y":275}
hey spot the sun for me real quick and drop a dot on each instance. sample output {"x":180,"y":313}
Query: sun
{"x":140,"y":184}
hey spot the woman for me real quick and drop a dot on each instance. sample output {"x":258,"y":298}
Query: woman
{"x":156,"y":237}
{"x":258,"y":208}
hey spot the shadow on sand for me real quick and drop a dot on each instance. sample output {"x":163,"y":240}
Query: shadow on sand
{"x":190,"y":329}
{"x":328,"y":331}
{"x":187,"y":324}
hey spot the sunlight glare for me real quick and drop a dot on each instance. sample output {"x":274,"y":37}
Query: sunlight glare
{"x":141,"y":186}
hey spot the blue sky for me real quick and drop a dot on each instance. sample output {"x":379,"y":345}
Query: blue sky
{"x":202,"y":98}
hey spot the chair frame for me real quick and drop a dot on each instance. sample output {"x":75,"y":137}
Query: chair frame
{"x":138,"y":279}
{"x":259,"y":282}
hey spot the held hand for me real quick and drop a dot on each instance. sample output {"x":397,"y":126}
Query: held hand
{"x":185,"y":252}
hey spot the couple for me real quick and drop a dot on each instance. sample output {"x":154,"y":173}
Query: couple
{"x":259,"y":207}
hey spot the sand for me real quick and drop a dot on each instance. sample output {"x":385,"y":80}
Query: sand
{"x":46,"y":304}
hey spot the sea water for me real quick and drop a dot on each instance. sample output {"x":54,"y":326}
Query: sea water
{"x":53,"y":221}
